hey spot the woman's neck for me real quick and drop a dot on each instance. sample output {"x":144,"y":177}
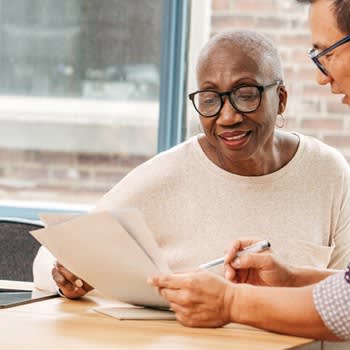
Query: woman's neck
{"x":272,"y":157}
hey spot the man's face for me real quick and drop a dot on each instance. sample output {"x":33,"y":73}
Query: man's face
{"x":325,"y":32}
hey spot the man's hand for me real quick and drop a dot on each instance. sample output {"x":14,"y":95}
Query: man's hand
{"x":199,"y":298}
{"x":262,"y":269}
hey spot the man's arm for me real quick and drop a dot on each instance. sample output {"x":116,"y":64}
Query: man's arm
{"x":203,"y":299}
{"x":282,"y":310}
{"x":303,"y":276}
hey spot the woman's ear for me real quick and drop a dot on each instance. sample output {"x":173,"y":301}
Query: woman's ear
{"x":283,"y":97}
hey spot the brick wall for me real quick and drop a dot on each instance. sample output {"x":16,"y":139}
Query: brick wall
{"x":311,"y":109}
{"x":61,"y":177}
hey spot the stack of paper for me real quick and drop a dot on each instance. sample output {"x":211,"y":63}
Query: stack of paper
{"x":115,"y":253}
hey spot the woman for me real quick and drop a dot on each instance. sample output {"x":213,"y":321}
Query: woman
{"x":241,"y":176}
{"x":318,"y":310}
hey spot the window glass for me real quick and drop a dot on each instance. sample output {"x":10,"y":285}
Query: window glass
{"x":78,"y":95}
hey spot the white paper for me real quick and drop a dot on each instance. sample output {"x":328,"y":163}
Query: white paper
{"x":98,"y":249}
{"x":133,"y":222}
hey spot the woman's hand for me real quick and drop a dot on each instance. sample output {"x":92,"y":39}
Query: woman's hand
{"x":262,"y":269}
{"x":199,"y":298}
{"x":70,"y":285}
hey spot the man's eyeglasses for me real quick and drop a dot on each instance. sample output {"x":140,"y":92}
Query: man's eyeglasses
{"x":315,"y":55}
{"x":244,"y":98}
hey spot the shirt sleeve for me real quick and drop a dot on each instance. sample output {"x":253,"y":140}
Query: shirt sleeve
{"x":42,"y":266}
{"x":332,"y":301}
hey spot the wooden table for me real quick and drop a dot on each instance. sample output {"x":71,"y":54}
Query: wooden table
{"x":65,"y":324}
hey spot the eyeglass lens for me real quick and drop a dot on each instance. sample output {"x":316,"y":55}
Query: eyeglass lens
{"x":244,"y":99}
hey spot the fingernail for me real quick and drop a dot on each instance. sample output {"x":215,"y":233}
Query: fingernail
{"x":236,"y":263}
{"x":79,"y":283}
{"x":59,"y":279}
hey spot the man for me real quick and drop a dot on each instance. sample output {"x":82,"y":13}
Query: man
{"x":321,"y":310}
{"x":330,"y":31}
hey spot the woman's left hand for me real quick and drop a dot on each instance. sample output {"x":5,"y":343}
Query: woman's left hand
{"x":198,"y":298}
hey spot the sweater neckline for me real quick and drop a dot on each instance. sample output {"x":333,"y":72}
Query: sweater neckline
{"x":213,"y":168}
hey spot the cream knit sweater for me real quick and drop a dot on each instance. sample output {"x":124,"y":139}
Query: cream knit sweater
{"x":195,"y":209}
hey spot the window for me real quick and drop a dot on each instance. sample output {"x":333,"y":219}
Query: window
{"x":79,"y":95}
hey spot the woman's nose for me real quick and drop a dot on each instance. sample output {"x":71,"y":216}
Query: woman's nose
{"x":229,"y":115}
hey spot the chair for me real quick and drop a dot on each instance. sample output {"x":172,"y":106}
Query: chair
{"x":18,"y":248}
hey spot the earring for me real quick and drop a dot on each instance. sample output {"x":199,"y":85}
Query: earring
{"x":280,"y":120}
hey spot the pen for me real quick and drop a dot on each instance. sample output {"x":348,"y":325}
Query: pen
{"x":254,"y":248}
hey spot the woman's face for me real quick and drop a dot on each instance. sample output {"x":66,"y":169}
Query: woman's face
{"x":236,"y":138}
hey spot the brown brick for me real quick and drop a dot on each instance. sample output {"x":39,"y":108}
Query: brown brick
{"x":254,"y":6}
{"x":32,"y":173}
{"x":65,"y":174}
{"x":326,"y":124}
{"x":292,"y":39}
{"x":49,"y":157}
{"x":317,"y":90}
{"x":262,"y":22}
{"x":337,"y":107}
{"x":221,"y":23}
{"x":341,"y":141}
{"x":14,"y":155}
{"x":219,"y":5}
{"x":109,"y":177}
{"x":304,"y":75}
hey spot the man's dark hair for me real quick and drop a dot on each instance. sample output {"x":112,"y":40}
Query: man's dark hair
{"x":341,"y":10}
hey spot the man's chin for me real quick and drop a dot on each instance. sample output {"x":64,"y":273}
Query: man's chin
{"x":346,"y":100}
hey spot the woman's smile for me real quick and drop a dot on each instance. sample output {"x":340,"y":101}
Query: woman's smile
{"x":235,"y":139}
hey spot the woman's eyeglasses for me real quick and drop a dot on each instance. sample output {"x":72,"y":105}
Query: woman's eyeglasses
{"x":244,"y":98}
{"x":316,"y":55}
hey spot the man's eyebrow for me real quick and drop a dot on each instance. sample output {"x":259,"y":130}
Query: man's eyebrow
{"x":318,"y":46}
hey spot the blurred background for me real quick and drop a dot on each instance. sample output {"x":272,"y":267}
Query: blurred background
{"x":82,"y":79}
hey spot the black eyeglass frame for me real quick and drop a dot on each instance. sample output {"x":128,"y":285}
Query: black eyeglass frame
{"x":261,"y":89}
{"x":316,"y":56}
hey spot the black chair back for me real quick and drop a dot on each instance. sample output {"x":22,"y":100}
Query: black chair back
{"x":18,"y":248}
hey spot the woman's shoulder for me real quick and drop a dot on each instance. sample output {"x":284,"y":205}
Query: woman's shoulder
{"x":147,"y":180}
{"x":317,"y":151}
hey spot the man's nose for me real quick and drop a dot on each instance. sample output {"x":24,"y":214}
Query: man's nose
{"x":228,"y":114}
{"x":322,"y":79}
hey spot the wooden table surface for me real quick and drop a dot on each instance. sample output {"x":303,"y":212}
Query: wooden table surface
{"x":65,"y":324}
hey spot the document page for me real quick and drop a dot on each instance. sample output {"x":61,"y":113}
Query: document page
{"x":98,"y":248}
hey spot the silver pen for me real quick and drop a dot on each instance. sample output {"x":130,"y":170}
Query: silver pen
{"x":254,"y":248}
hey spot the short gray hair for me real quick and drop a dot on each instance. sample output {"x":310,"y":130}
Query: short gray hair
{"x":256,"y":46}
